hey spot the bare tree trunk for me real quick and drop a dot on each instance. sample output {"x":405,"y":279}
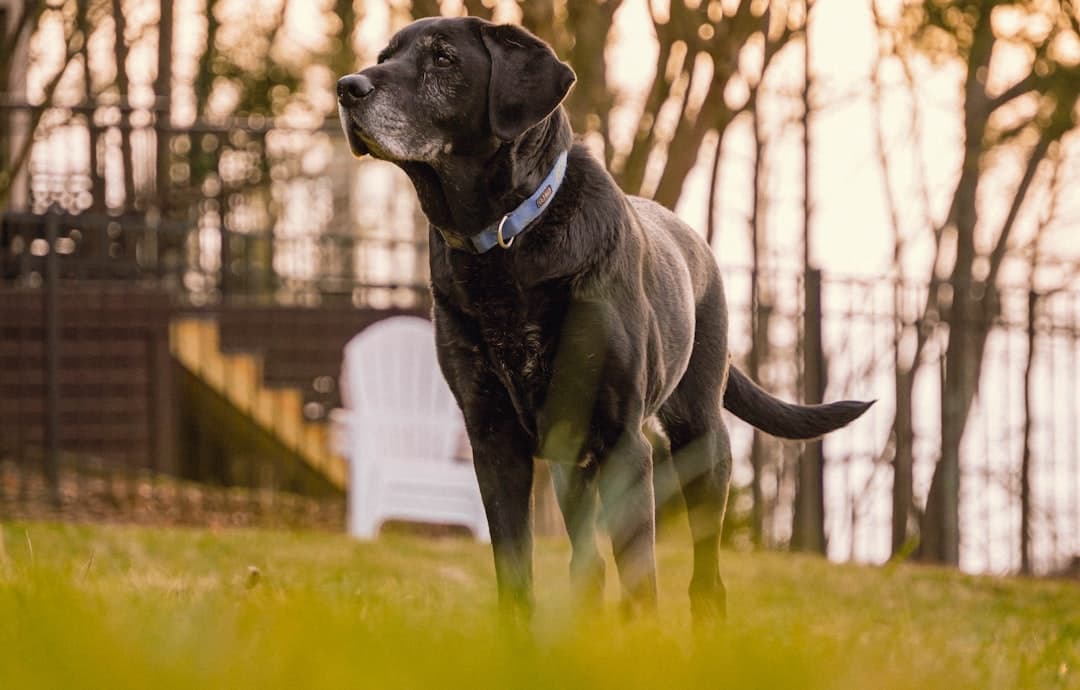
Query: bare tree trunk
{"x":1051,"y":211}
{"x":711,"y":224}
{"x":477,"y":8}
{"x":97,"y":181}
{"x":425,"y":8}
{"x":685,"y":146}
{"x":1025,"y":463}
{"x":759,"y":334}
{"x":163,"y":108}
{"x":682,"y":150}
{"x":941,"y":522}
{"x":903,"y":433}
{"x":14,"y":39}
{"x":973,"y":303}
{"x":538,"y":16}
{"x":808,"y":522}
{"x":903,"y":494}
{"x":21,"y":28}
{"x":970,"y":317}
{"x":120,"y":50}
{"x":590,"y":103}
{"x":28,"y":122}
{"x":632,"y":174}
{"x":758,"y":450}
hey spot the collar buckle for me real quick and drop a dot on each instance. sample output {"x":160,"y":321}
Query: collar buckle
{"x":505,"y":244}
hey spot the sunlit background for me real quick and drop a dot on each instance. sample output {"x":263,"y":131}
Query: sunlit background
{"x":903,"y":166}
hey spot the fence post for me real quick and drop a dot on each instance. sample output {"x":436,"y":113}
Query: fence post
{"x":808,"y":521}
{"x":52,"y":356}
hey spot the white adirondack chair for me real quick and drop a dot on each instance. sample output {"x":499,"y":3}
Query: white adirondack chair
{"x":402,"y":433}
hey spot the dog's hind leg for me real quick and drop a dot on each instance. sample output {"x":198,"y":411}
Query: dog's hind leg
{"x":575,"y":488}
{"x":701,"y":450}
{"x":701,"y":453}
{"x":626,"y":493}
{"x":702,"y":456}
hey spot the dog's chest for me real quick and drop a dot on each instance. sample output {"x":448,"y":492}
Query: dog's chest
{"x":515,"y":348}
{"x":518,"y":335}
{"x":515,"y":344}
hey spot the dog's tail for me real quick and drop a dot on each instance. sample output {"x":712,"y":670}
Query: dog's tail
{"x":747,"y":401}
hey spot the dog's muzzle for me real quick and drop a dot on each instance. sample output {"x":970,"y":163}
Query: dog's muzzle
{"x":352,"y":89}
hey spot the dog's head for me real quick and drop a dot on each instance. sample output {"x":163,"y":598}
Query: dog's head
{"x":451,"y":85}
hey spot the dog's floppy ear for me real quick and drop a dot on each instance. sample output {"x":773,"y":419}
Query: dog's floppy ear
{"x":527,"y":80}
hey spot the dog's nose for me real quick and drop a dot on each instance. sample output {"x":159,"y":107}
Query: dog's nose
{"x":353,"y":87}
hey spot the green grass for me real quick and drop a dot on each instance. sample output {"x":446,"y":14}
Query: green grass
{"x":122,"y":607}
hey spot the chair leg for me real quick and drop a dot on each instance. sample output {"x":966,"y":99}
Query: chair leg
{"x":365,"y":527}
{"x":481,"y":531}
{"x":363,"y":518}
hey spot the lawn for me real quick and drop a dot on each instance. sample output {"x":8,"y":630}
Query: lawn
{"x":121,"y":607}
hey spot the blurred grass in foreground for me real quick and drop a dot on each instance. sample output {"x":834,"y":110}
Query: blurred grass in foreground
{"x":121,"y":607}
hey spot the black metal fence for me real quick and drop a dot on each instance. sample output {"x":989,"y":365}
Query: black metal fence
{"x":186,"y":262}
{"x":119,"y":347}
{"x":268,"y":225}
{"x":1027,"y":406}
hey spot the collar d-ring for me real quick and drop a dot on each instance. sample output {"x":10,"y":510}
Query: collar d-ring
{"x":505,"y":244}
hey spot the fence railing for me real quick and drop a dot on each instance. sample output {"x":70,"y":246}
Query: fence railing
{"x":203,"y":269}
{"x":1033,"y":345}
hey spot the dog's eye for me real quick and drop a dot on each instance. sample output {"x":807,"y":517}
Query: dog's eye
{"x":443,"y":60}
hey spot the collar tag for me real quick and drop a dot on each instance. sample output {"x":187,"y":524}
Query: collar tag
{"x":543,"y":199}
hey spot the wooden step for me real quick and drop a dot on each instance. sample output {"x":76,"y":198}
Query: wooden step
{"x":238,"y":378}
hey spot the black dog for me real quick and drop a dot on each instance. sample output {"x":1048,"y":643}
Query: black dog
{"x":561,"y":342}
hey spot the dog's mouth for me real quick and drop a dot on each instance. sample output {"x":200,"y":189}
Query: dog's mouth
{"x":356,"y":143}
{"x":363,"y":141}
{"x":353,"y":133}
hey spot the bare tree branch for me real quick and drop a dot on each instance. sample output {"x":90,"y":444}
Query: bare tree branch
{"x":7,"y":176}
{"x":1001,"y":247}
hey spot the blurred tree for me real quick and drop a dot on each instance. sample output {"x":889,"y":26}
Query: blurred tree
{"x":341,"y":53}
{"x":761,"y":307}
{"x":902,"y":441}
{"x":1050,"y":213}
{"x":249,"y":75}
{"x":123,"y":92}
{"x":1030,"y":115}
{"x":764,"y":458}
{"x":15,"y":29}
{"x":17,"y":131}
{"x":85,"y":22}
{"x":808,"y":516}
{"x":163,"y":86}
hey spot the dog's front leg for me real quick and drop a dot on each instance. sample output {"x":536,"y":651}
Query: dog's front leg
{"x":502,"y":454}
{"x":504,"y":470}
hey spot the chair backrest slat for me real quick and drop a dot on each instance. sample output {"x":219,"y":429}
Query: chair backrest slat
{"x":401,"y":407}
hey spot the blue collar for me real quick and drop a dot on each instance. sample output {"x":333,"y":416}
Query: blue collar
{"x":502,"y":232}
